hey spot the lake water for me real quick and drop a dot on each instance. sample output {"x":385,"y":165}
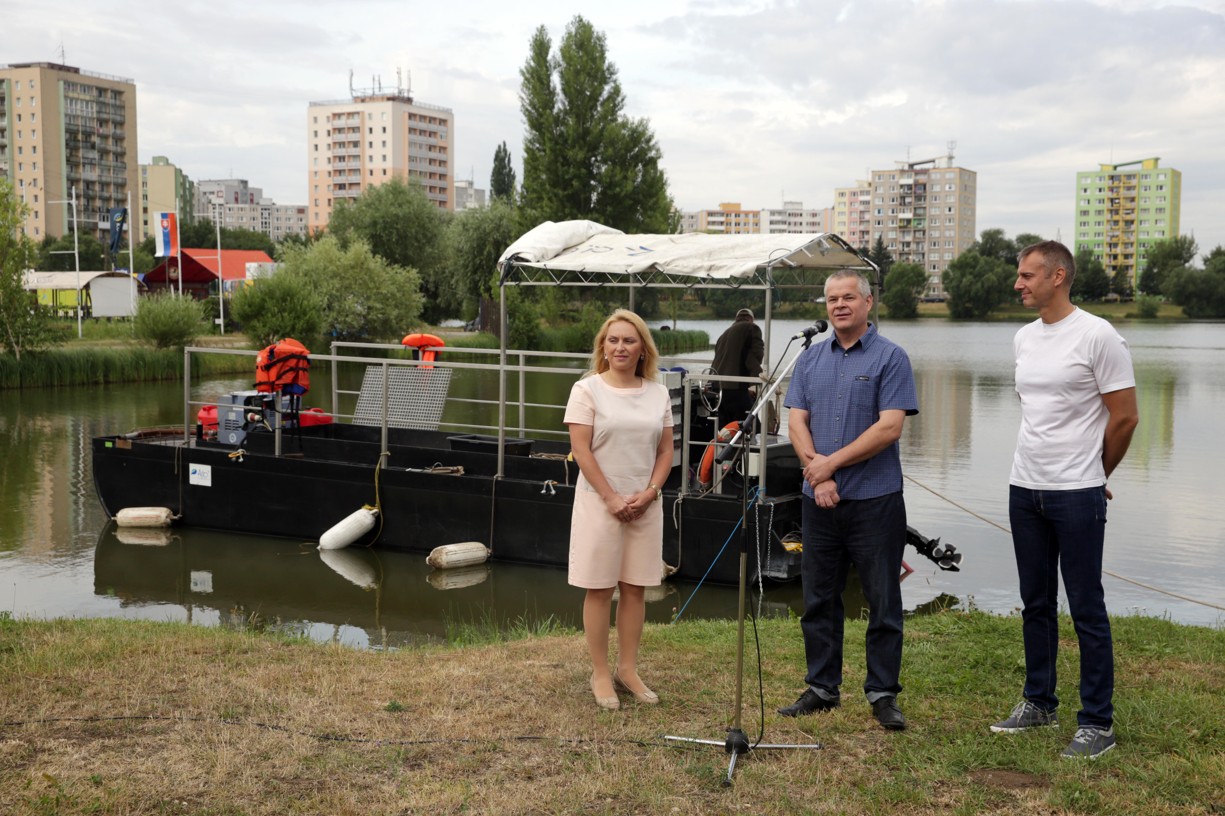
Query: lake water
{"x":59,"y":557}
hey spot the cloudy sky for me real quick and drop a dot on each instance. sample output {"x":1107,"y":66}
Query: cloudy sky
{"x":754,"y":101}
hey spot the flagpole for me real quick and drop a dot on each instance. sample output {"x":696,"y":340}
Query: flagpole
{"x":220,"y":280}
{"x":178,"y":245}
{"x":131,"y":260}
{"x":76,"y":257}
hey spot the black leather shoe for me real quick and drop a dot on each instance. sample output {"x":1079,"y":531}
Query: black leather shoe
{"x":808,"y":703}
{"x":888,"y":714}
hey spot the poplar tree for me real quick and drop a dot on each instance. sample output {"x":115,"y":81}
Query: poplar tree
{"x":502,"y":180}
{"x":582,"y":156}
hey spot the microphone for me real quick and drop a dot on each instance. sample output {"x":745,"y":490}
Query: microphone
{"x":814,"y":329}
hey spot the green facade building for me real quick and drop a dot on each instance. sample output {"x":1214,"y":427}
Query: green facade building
{"x":1121,"y":209}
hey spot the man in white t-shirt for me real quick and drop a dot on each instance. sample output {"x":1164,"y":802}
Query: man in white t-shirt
{"x":1078,"y":412}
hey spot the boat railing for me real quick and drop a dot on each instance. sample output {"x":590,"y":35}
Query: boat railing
{"x":521,"y":363}
{"x":526,"y":363}
{"x":520,"y":366}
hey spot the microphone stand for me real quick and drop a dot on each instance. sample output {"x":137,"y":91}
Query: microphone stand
{"x":737,"y":742}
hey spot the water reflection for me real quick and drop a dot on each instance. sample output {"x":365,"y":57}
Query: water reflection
{"x":373,"y":598}
{"x":1165,"y":525}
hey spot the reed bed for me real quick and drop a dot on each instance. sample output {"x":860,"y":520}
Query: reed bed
{"x":100,"y":365}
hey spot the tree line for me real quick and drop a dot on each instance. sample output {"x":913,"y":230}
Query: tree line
{"x":980,"y":280}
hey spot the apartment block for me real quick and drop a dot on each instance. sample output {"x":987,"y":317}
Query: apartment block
{"x":853,"y":214}
{"x":1121,"y":209}
{"x":164,"y":188}
{"x":793,"y":218}
{"x":372,"y":138}
{"x":235,"y":204}
{"x":468,"y":196}
{"x":926,"y":213}
{"x":66,"y":130}
{"x":729,"y":219}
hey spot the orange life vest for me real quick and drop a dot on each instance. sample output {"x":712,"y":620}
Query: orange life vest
{"x":284,"y":368}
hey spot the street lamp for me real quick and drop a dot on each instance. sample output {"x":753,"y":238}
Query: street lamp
{"x":220,"y":270}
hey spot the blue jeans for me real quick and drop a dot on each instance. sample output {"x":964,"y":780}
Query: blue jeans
{"x":1064,"y":531}
{"x":871,"y":534}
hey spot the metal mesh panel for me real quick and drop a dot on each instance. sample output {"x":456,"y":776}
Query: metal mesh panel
{"x":415,"y":397}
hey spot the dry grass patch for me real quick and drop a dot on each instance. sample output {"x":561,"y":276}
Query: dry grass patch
{"x":113,"y":717}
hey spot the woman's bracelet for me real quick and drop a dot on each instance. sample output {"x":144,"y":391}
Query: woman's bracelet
{"x":658,"y":490}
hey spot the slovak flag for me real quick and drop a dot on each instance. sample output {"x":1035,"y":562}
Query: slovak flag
{"x":166,"y":236}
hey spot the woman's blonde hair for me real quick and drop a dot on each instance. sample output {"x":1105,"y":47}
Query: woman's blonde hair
{"x":647,"y":365}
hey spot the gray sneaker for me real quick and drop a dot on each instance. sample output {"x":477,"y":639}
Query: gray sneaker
{"x":1089,"y":743}
{"x":1025,"y":716}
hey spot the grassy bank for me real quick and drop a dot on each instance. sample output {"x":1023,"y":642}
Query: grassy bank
{"x":101,"y":716}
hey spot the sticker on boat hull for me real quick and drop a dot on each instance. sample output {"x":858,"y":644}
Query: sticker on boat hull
{"x":201,"y":475}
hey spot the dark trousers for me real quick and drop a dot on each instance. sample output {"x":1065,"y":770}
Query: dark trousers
{"x":734,"y":404}
{"x":870,"y":534}
{"x":1056,"y":531}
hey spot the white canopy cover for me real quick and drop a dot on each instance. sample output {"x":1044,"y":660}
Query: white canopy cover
{"x":65,"y":280}
{"x":588,"y":247}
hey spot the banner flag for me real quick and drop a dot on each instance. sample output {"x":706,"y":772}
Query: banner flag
{"x":166,"y":236}
{"x":119,"y":220}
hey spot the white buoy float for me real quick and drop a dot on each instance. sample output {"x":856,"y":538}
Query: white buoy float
{"x":463,"y":554}
{"x":144,"y":517}
{"x":349,"y":529}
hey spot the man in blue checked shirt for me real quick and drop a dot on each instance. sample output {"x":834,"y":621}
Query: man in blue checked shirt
{"x":849,"y":396}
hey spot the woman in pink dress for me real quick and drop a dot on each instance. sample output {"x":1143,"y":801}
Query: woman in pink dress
{"x":620,"y":422}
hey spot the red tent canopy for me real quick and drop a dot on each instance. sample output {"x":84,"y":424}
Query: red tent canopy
{"x":200,"y":268}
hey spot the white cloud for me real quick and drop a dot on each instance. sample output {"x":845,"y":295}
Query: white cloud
{"x":749,"y":102}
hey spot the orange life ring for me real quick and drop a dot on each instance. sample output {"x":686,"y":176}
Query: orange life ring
{"x":425,"y":344}
{"x":707,"y":467}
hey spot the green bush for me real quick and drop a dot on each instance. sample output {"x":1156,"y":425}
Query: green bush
{"x":169,"y":321}
{"x":1147,"y":305}
{"x":270,"y":309}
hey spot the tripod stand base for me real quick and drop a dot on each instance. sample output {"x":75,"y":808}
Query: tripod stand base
{"x":736,"y":744}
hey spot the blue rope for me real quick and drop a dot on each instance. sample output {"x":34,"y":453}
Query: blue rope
{"x":752,"y":500}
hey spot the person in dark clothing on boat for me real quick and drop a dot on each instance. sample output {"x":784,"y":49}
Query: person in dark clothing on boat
{"x":848,"y":399}
{"x":738,"y":353}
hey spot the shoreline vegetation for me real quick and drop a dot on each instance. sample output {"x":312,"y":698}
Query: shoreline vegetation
{"x":111,"y":716}
{"x":108,"y":353}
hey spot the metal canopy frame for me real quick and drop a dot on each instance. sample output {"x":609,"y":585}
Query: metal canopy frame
{"x":804,"y":265}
